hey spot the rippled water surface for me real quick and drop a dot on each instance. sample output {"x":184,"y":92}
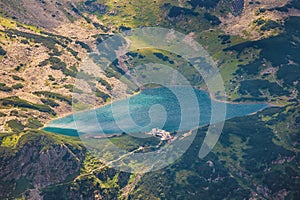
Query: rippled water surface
{"x":172,"y":109}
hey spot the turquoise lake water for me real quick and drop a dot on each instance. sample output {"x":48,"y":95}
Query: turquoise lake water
{"x":169,"y":109}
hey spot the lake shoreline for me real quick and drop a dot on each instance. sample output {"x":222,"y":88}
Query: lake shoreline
{"x":89,"y":109}
{"x":214,"y":98}
{"x":211,"y":96}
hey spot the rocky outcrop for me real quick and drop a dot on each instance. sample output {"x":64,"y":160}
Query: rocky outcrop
{"x":40,"y":164}
{"x":47,"y":14}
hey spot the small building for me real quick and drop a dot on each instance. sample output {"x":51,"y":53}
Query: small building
{"x":162,"y":134}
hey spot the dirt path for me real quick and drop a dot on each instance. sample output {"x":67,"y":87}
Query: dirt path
{"x":108,"y":164}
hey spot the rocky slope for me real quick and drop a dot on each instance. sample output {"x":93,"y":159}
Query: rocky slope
{"x":40,"y":69}
{"x":246,"y":24}
{"x":35,"y":161}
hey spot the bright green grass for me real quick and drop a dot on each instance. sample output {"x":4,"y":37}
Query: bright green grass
{"x":11,"y":141}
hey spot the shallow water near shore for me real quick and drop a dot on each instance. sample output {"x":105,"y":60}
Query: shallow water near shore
{"x":152,"y":108}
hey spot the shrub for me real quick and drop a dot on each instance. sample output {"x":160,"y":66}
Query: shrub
{"x":2,"y":51}
{"x":17,"y":78}
{"x":51,"y":78}
{"x":24,"y":41}
{"x":84,"y":45}
{"x":15,"y":101}
{"x":74,"y":53}
{"x":48,"y":42}
{"x":15,"y":125}
{"x":53,"y":95}
{"x":270,"y":24}
{"x":253,"y":87}
{"x":2,"y":114}
{"x":57,"y":64}
{"x":213,"y":20}
{"x":104,"y":83}
{"x":34,"y":123}
{"x":177,"y":11}
{"x":101,"y":94}
{"x":251,"y":68}
{"x":14,"y":113}
{"x":289,"y":74}
{"x":5,"y":88}
{"x":204,"y":3}
{"x":49,"y":102}
{"x":17,"y":86}
{"x":161,"y":56}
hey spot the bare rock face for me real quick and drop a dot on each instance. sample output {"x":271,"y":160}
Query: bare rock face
{"x":43,"y":13}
